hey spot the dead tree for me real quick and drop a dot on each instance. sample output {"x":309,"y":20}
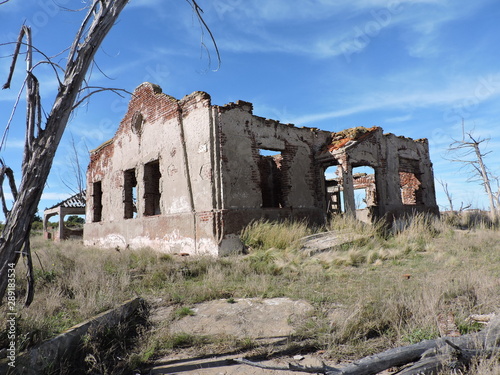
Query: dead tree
{"x":468,"y":151}
{"x":447,"y":193}
{"x":450,"y":198}
{"x":76,"y":180}
{"x":425,"y":358}
{"x":43,"y":135}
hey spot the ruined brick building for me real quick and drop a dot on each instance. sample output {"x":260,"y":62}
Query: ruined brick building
{"x":187,"y":176}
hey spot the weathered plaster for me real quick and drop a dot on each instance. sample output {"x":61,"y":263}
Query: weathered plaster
{"x":206,"y":166}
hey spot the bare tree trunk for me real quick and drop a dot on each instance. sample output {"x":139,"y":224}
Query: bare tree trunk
{"x":481,"y":169}
{"x":470,"y":147}
{"x":447,"y":193}
{"x":41,"y":144}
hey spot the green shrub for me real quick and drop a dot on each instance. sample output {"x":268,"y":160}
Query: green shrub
{"x":421,"y":334}
{"x":36,"y":226}
{"x":469,"y":327}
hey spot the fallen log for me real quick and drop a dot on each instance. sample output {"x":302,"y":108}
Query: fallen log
{"x":425,"y":358}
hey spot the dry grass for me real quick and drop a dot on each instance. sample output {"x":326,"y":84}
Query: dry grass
{"x":263,"y":234}
{"x":72,"y":284}
{"x":383,"y":291}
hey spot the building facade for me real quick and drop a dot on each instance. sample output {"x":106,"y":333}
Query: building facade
{"x":185,"y":176}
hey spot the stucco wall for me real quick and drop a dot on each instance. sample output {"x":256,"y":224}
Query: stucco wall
{"x":176,"y":134}
{"x":222,"y":167}
{"x":242,"y":135}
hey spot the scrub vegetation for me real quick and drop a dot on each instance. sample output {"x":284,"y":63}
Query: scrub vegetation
{"x":381,"y":290}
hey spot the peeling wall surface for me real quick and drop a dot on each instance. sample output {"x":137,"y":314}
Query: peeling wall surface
{"x":167,"y":144}
{"x":403,"y":179}
{"x":185,"y":176}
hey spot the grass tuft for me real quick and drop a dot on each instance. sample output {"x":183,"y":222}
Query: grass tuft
{"x":181,"y":312}
{"x":375,"y":291}
{"x":263,"y":235}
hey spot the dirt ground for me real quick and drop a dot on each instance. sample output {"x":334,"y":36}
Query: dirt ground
{"x":269,"y":321}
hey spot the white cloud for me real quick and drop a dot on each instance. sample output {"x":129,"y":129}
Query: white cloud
{"x":14,"y":144}
{"x":336,"y":28}
{"x":403,"y":118}
{"x":452,"y":100}
{"x":55,"y":196}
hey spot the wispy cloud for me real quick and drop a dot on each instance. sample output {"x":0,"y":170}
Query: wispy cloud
{"x":14,"y":144}
{"x":403,"y":118}
{"x":449,"y":99}
{"x":341,"y":27}
{"x":55,"y":196}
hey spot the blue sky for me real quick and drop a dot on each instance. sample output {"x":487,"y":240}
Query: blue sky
{"x":415,"y":68}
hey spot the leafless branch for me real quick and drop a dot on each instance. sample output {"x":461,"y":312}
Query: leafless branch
{"x":101,"y":71}
{"x":74,"y":47}
{"x":470,"y":146}
{"x":291,"y":367}
{"x":7,"y":172}
{"x":22,"y":32}
{"x":100,"y":89}
{"x":30,"y":276}
{"x":41,"y":144}
{"x":78,"y":185}
{"x":447,"y":193}
{"x":198,"y":11}
{"x":424,"y":358}
{"x":464,"y":207}
{"x":12,"y":113}
{"x":48,"y":60}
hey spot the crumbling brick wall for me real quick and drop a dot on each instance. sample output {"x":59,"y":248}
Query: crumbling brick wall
{"x":187,"y":176}
{"x":410,"y":188}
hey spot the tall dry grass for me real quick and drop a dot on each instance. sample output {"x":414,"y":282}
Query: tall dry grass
{"x":264,"y":234}
{"x":72,"y":284}
{"x":388,"y":289}
{"x":369,"y":294}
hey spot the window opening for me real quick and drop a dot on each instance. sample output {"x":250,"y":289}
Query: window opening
{"x":334,"y":201}
{"x":152,"y":194}
{"x":410,"y":181}
{"x":129,"y":194}
{"x":365,"y":194}
{"x":411,"y":194}
{"x":97,"y":198}
{"x":270,"y":162}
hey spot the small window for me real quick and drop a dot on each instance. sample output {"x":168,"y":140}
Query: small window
{"x":410,"y":181}
{"x":152,"y":194}
{"x":129,"y":194}
{"x":411,"y":193}
{"x":365,"y":191}
{"x":97,"y":198}
{"x":270,"y":162}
